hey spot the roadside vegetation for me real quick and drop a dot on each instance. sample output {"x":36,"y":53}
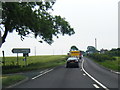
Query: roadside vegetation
{"x":8,"y":80}
{"x":33,"y":63}
{"x":109,"y":59}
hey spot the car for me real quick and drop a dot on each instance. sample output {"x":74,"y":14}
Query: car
{"x":72,"y":62}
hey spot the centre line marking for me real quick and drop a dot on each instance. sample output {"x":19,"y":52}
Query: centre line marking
{"x":93,"y":77}
{"x":44,"y":71}
{"x":41,"y":74}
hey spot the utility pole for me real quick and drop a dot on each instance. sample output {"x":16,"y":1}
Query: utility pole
{"x":62,"y":51}
{"x":53,"y":51}
{"x":96,"y":43}
{"x":0,"y":39}
{"x":35,"y":50}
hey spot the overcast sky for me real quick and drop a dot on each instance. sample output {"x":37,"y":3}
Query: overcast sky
{"x":90,"y":19}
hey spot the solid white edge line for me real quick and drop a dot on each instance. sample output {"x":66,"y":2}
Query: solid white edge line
{"x":92,"y":77}
{"x":96,"y":86}
{"x":41,"y":74}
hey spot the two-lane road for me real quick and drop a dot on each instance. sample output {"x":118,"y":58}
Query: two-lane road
{"x":61,"y":77}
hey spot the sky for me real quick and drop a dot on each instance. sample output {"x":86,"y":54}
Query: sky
{"x":90,"y":19}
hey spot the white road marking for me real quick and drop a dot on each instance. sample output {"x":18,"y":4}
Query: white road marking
{"x":44,"y":70}
{"x":93,"y":78}
{"x":84,"y":74}
{"x":41,"y":71}
{"x":115,"y":72}
{"x":42,"y":74}
{"x":96,"y":86}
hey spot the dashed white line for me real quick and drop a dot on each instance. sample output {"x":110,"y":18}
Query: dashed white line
{"x":96,"y":86}
{"x":44,"y":71}
{"x":93,"y":78}
{"x":42,"y":74}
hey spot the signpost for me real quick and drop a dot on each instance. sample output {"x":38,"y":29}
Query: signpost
{"x":25,"y":52}
{"x":3,"y":58}
{"x":21,"y":50}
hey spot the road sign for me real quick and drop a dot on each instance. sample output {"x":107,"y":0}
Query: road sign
{"x":25,"y":54}
{"x":21,"y":50}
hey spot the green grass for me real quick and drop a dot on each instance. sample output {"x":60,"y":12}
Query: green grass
{"x":114,"y":64}
{"x":11,"y":79}
{"x":35,"y":62}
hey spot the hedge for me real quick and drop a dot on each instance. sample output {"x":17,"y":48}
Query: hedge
{"x":101,"y":57}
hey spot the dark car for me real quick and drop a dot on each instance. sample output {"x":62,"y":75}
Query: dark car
{"x":72,"y":62}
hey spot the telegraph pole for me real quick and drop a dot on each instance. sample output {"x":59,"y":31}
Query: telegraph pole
{"x":96,"y":43}
{"x":35,"y":50}
{"x":53,"y":51}
{"x":0,"y":39}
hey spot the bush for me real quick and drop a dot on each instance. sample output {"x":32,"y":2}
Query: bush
{"x":10,"y":67}
{"x":114,"y":52}
{"x":101,"y":57}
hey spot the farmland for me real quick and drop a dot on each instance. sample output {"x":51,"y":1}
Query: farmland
{"x":33,"y":63}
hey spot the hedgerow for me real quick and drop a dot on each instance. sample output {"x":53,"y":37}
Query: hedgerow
{"x":101,"y":57}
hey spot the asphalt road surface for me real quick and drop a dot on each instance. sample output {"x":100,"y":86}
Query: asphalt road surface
{"x":89,"y":75}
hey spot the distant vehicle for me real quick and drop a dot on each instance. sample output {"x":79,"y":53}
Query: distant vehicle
{"x":75,"y":54}
{"x":72,"y":62}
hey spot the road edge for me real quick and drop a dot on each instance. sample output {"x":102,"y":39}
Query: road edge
{"x":90,"y":76}
{"x":113,"y":71}
{"x":22,"y":81}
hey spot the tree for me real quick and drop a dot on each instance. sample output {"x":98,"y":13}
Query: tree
{"x":33,"y":18}
{"x":114,"y":52}
{"x":73,"y":48}
{"x":91,"y":49}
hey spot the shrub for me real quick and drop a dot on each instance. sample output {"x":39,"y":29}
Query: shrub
{"x":101,"y":57}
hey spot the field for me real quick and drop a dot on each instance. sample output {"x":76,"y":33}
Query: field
{"x":33,"y":63}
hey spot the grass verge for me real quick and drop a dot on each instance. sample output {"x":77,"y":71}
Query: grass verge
{"x":11,"y":79}
{"x":33,"y":63}
{"x":113,"y":65}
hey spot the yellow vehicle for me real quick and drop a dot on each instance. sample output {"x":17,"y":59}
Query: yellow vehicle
{"x":75,"y":54}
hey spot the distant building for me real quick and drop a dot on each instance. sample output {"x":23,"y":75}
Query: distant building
{"x":103,"y":50}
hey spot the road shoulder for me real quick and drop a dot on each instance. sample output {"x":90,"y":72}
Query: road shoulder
{"x":113,"y":71}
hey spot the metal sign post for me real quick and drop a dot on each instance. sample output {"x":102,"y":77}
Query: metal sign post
{"x":3,"y":58}
{"x":25,"y":59}
{"x":25,"y":52}
{"x":17,"y":59}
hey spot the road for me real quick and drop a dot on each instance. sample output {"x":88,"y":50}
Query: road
{"x":89,"y":75}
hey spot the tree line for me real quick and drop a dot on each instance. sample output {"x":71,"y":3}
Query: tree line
{"x":107,"y":55}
